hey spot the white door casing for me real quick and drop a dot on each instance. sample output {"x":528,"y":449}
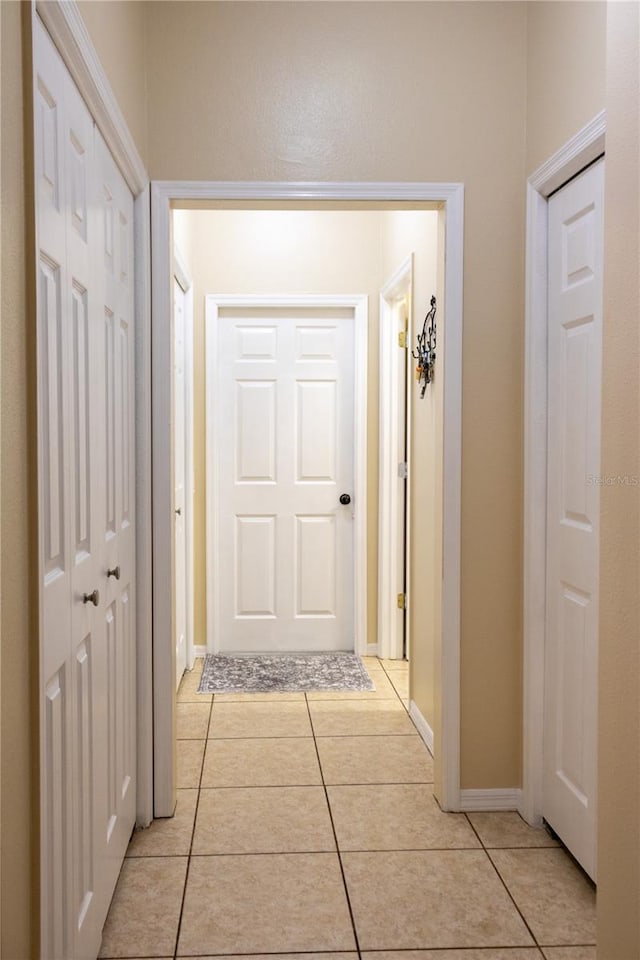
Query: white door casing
{"x":85,"y":433}
{"x":576,"y":223}
{"x":285,"y":558}
{"x":395,"y":311}
{"x":450,"y":196}
{"x":179,"y":479}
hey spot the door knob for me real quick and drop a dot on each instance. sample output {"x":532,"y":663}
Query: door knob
{"x":93,"y":598}
{"x":345,"y":499}
{"x":115,"y":572}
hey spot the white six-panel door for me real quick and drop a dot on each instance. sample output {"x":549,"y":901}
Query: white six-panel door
{"x":284,"y":418}
{"x":85,"y":431}
{"x":573,"y":502}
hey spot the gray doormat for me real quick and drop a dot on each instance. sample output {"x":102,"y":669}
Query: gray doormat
{"x":284,"y":673}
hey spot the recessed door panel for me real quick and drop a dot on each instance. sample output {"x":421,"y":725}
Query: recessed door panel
{"x":110,"y":419}
{"x":316,"y":411}
{"x":85,"y":758}
{"x":255,"y":556}
{"x":256,"y":431}
{"x":123,"y":411}
{"x":573,"y":649}
{"x":574,"y":387}
{"x":58,"y":815}
{"x":316,"y":343}
{"x":81,"y":395}
{"x":52,"y":354}
{"x":315,"y":566}
{"x":256,"y":343}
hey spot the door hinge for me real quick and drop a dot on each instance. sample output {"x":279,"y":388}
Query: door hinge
{"x":402,"y":601}
{"x":403,"y":471}
{"x":402,"y":339}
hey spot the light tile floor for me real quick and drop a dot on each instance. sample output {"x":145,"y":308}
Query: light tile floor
{"x":306,"y":825}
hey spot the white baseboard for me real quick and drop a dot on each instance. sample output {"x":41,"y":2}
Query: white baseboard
{"x":372,"y":650}
{"x":422,"y":726}
{"x":199,"y":650}
{"x":509,"y":799}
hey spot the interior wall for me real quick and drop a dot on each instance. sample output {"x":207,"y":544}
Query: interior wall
{"x":619,"y":675}
{"x":297,"y":91}
{"x":566,"y":69}
{"x":295,"y":251}
{"x":18,"y":596}
{"x":118,"y":30}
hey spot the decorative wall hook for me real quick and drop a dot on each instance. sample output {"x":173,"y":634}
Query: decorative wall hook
{"x":426,"y":349}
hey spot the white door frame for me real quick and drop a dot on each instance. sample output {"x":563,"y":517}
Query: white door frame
{"x":582,"y":149}
{"x":69,"y":33}
{"x":359,"y":304}
{"x":163,"y":194}
{"x":389,"y":643}
{"x":181,"y":273}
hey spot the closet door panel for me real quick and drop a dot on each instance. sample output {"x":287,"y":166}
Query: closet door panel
{"x":56,"y":554}
{"x":116,"y":252}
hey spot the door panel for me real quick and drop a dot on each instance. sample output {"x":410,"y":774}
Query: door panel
{"x":284,"y":401}
{"x":574,"y":365}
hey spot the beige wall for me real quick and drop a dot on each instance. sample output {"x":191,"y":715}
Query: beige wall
{"x":18,"y":596}
{"x":619,"y":694}
{"x":297,"y":92}
{"x":118,"y":29}
{"x":566,"y":66}
{"x":298,"y":251}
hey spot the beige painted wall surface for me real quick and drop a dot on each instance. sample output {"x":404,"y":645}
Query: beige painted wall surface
{"x":293,"y":251}
{"x":401,"y":237}
{"x":18,"y":837}
{"x":297,"y":92}
{"x":118,"y":29}
{"x":566,"y":69}
{"x":619,"y":734}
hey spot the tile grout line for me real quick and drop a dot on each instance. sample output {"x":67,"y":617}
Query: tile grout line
{"x":335,"y":835}
{"x":193,"y":831}
{"x":502,"y":881}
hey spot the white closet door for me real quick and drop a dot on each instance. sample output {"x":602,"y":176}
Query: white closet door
{"x":285,"y":419}
{"x":114,"y":253}
{"x":55,"y":504}
{"x":87,"y":677}
{"x":573,"y":512}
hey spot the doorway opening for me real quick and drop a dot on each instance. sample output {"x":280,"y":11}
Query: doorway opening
{"x":350,"y":259}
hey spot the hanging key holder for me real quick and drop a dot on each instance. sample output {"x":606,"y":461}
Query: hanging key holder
{"x":425,"y":353}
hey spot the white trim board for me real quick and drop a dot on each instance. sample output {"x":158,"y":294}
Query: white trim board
{"x":585,"y":147}
{"x":507,"y":799}
{"x":451,"y":196}
{"x":399,"y":285}
{"x":422,"y":726}
{"x":359,"y":304}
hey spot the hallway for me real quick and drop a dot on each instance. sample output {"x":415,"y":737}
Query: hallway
{"x":306,"y":824}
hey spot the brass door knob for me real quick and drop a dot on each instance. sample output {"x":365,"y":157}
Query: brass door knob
{"x":115,"y":572}
{"x":93,"y":598}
